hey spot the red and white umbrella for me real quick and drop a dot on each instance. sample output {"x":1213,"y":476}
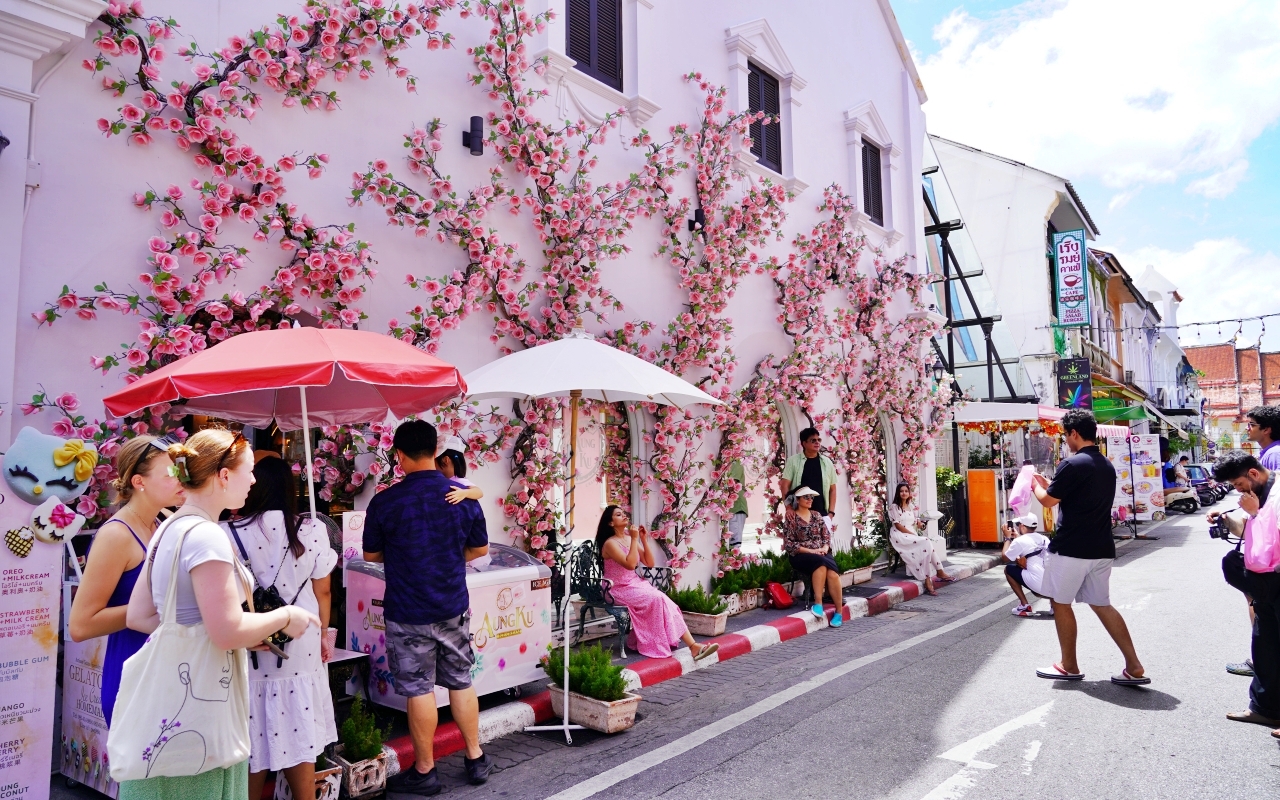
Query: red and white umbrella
{"x":296,"y":377}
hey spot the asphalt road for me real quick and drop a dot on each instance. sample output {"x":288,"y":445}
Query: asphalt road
{"x":938,"y":699}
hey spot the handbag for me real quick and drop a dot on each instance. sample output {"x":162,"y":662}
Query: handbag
{"x":779,"y":597}
{"x":186,"y":701}
{"x":267,"y":599}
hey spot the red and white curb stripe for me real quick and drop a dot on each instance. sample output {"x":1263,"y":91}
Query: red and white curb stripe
{"x":515,"y":716}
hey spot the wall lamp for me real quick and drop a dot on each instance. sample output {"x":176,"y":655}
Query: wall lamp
{"x":473,"y":139}
{"x":699,"y":220}
{"x":939,"y":370}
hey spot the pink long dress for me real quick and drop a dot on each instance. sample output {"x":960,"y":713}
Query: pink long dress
{"x":656,"y":623}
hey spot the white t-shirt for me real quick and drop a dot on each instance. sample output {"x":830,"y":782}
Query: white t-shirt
{"x":205,"y":542}
{"x":1025,"y":545}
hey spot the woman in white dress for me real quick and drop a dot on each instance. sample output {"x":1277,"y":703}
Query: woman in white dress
{"x":917,"y":551}
{"x":290,"y":708}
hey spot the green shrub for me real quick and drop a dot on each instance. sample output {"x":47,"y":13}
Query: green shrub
{"x":591,"y":672}
{"x":779,"y":567}
{"x":361,"y":738}
{"x":856,"y":558}
{"x":697,"y":600}
{"x":947,"y":480}
{"x":731,"y":583}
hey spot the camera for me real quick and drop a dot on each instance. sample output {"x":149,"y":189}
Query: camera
{"x":1218,"y":530}
{"x":1227,"y":526}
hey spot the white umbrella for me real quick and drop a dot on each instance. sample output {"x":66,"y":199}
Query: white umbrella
{"x":579,"y":367}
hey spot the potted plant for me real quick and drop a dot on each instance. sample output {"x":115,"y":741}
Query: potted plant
{"x":855,"y":564}
{"x":360,"y":755}
{"x":704,"y":613}
{"x":729,"y":589}
{"x":598,"y":696}
{"x":328,"y":782}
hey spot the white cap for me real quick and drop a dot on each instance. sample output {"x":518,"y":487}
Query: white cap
{"x":1029,"y":520}
{"x":805,"y":491}
{"x":451,"y":443}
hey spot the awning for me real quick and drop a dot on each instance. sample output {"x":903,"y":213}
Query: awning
{"x":1120,"y":413}
{"x":1174,"y":427}
{"x":1007,"y":412}
{"x":1105,"y":387}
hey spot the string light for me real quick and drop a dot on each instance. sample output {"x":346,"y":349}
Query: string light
{"x":1239,"y":322}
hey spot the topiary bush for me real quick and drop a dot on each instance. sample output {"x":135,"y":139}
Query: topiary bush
{"x":361,"y":738}
{"x":856,"y":558}
{"x":591,"y":672}
{"x":697,"y":600}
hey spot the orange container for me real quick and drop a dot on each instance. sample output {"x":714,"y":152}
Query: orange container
{"x":984,"y":523}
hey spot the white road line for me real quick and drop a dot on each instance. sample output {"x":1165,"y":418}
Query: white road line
{"x":685,"y":743}
{"x":955,"y":787}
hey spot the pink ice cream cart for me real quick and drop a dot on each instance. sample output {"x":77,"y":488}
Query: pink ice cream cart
{"x":510,"y":623}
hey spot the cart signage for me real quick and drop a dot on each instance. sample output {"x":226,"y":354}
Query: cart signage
{"x":1070,"y":267}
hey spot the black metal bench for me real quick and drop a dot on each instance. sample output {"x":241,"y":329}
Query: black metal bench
{"x":587,"y":581}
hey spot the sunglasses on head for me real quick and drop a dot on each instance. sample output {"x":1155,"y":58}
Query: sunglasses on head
{"x":227,"y":453}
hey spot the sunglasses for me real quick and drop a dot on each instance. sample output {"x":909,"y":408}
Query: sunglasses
{"x":227,"y":453}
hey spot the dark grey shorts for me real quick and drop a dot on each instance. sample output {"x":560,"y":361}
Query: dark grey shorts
{"x":420,"y":656}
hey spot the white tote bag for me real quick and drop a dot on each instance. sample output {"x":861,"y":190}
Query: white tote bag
{"x":183,"y":706}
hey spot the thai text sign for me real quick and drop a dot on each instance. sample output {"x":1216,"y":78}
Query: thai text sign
{"x":1072,"y":275}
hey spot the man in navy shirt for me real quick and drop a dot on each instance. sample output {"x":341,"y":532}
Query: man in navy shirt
{"x":1078,"y":568}
{"x":424,"y":542}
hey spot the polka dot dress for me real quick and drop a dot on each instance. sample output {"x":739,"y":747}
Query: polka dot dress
{"x":916,"y":551}
{"x":290,"y":708}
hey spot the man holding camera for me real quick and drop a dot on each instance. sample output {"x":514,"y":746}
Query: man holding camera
{"x":1078,"y":568}
{"x":1259,"y":580}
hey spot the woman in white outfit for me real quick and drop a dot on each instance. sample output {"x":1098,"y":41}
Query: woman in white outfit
{"x":290,"y":708}
{"x":917,"y":551}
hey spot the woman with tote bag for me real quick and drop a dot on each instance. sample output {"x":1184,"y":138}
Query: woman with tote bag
{"x":185,"y":693}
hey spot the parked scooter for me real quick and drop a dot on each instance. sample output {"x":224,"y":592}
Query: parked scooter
{"x":1183,"y":500}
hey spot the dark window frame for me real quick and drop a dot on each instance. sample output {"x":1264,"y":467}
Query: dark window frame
{"x":587,"y":41}
{"x":872,"y":156}
{"x":764,"y":93}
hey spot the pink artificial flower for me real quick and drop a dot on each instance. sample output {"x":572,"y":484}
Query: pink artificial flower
{"x":87,"y":506}
{"x":63,"y":427}
{"x":67,"y":401}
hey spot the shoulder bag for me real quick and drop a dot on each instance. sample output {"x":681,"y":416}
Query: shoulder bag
{"x":184,"y":702}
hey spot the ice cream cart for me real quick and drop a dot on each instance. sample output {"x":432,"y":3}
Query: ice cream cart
{"x":510,"y":623}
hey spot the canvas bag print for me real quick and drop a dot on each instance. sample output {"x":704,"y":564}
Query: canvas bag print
{"x":187,"y":701}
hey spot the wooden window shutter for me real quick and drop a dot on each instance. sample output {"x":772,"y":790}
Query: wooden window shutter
{"x":763,"y":94}
{"x":594,"y":39}
{"x":872,"y":193}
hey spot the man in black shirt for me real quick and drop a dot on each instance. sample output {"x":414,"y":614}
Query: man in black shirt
{"x":1078,"y":568}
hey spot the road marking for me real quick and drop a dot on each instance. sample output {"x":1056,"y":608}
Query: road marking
{"x":955,"y":787}
{"x":685,"y":743}
{"x":1029,"y":756}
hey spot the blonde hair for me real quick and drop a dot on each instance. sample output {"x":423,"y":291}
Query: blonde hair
{"x":201,"y":457}
{"x":134,"y":458}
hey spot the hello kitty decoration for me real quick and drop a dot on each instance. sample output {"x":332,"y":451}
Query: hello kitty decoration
{"x":38,"y":465}
{"x":53,"y":522}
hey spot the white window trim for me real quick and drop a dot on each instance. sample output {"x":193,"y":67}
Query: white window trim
{"x":578,"y":95}
{"x":755,"y":42}
{"x":863,"y":122}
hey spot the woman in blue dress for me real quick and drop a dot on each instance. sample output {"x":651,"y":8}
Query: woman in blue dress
{"x":143,"y":488}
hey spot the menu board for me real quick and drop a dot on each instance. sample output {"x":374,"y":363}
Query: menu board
{"x":1139,"y":488}
{"x":30,"y":589}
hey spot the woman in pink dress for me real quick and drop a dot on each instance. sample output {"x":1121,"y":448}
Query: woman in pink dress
{"x":656,"y":623}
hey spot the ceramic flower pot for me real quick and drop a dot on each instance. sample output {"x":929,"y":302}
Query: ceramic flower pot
{"x":328,"y":785}
{"x":361,"y":778}
{"x":597,"y":715}
{"x":705,"y":624}
{"x":731,"y":600}
{"x":863,"y":574}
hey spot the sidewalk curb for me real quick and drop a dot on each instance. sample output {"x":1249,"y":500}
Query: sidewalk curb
{"x":513,"y":717}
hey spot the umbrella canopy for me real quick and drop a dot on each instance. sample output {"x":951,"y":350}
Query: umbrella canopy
{"x":578,"y":363}
{"x":351,"y":377}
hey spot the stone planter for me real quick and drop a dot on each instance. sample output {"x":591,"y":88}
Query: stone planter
{"x":598,"y":715}
{"x":748,"y":600}
{"x":362,"y":778}
{"x":328,"y":785}
{"x":731,"y":600}
{"x":863,"y":574}
{"x":705,"y":624}
{"x":846,"y":579}
{"x":797,"y":589}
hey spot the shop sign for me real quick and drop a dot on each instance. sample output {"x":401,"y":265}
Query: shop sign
{"x":1072,"y":275}
{"x":1075,"y":387}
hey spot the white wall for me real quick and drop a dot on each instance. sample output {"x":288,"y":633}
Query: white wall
{"x":81,"y":227}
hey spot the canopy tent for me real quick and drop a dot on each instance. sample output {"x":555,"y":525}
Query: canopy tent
{"x":1010,"y":416}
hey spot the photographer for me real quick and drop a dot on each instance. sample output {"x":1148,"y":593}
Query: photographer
{"x":1259,"y":581}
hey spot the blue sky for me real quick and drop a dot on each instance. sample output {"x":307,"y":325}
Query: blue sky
{"x":1176,"y":147}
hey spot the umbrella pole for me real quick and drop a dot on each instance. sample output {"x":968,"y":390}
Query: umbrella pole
{"x":575,"y":397}
{"x":306,"y":448}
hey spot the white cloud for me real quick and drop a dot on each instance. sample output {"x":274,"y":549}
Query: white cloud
{"x":1133,"y":92}
{"x":1217,"y":279}
{"x":1220,"y":184}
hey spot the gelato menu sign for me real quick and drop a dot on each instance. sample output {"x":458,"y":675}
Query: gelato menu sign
{"x":1070,"y":267}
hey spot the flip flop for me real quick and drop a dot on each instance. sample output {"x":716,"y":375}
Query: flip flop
{"x":1057,"y":673}
{"x":706,"y":651}
{"x":944,"y":580}
{"x":1125,"y":679}
{"x":1253,"y":717}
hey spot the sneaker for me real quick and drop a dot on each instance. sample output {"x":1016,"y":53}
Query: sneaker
{"x":1022,"y":611}
{"x":415,"y":783}
{"x":478,"y":769}
{"x":836,"y":620}
{"x":817,"y":611}
{"x":1245,"y":668}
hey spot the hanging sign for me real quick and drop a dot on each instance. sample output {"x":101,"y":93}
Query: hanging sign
{"x":1069,"y":256}
{"x":1075,"y":387}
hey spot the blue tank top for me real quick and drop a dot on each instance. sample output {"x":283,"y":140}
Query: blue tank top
{"x":124,"y":643}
